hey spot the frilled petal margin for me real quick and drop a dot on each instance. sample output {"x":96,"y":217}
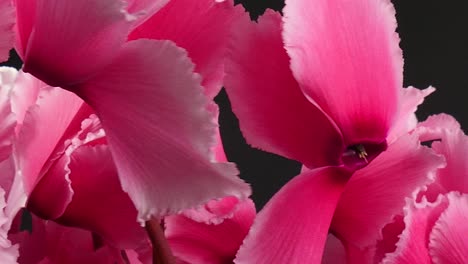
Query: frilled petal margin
{"x":99,"y":204}
{"x":448,"y":241}
{"x":199,"y":242}
{"x":44,"y":125}
{"x":346,"y":58}
{"x":273,"y":113}
{"x":8,"y":252}
{"x":419,"y":221}
{"x":160,"y":131}
{"x":375,"y":194}
{"x":410,"y":99}
{"x":293,"y":226}
{"x":202,"y":28}
{"x":7,"y":37}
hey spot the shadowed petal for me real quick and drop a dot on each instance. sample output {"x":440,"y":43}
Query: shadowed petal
{"x":273,"y":113}
{"x":202,"y":28}
{"x":87,"y":33}
{"x":7,"y":13}
{"x":293,"y":226}
{"x":199,"y":243}
{"x":448,"y":241}
{"x":160,"y":131}
{"x":96,"y":188}
{"x":346,"y":58}
{"x":375,"y":194}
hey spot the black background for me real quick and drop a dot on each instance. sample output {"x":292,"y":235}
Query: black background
{"x":434,"y":39}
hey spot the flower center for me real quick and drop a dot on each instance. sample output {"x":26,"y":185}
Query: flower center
{"x":357,"y":156}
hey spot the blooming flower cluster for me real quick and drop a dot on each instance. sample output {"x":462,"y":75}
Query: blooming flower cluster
{"x":110,"y":150}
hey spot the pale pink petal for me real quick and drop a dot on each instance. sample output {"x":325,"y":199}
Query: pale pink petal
{"x":8,"y":252}
{"x":201,"y":27}
{"x":41,"y":134}
{"x":7,"y":118}
{"x":448,"y":241}
{"x":162,"y":136}
{"x":24,"y":95}
{"x":199,"y":243}
{"x":334,"y":252}
{"x":144,"y":9}
{"x":375,"y":194}
{"x":87,"y":33}
{"x":410,"y":99}
{"x":346,"y":58}
{"x":273,"y":113}
{"x":215,"y":211}
{"x":293,"y":226}
{"x":7,"y":36}
{"x":99,"y":204}
{"x":433,"y":127}
{"x":413,"y":244}
{"x":454,"y":147}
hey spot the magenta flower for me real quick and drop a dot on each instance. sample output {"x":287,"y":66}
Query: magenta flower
{"x":325,"y":89}
{"x":159,"y":124}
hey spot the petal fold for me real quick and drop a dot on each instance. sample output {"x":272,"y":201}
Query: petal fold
{"x":198,"y":242}
{"x":273,"y":113}
{"x":162,"y":136}
{"x":448,"y":241}
{"x":202,"y":28}
{"x":293,"y":226}
{"x":84,"y":36}
{"x":346,"y":58}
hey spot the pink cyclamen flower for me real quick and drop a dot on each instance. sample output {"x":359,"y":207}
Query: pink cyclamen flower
{"x":159,"y":123}
{"x":325,"y":89}
{"x":7,"y":13}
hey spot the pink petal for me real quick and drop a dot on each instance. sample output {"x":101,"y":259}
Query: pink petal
{"x":215,"y":211}
{"x":7,"y":13}
{"x":293,"y":226}
{"x":24,"y":95}
{"x":197,"y":242}
{"x":96,"y":188}
{"x":7,"y":118}
{"x":448,"y":241}
{"x":273,"y":113}
{"x":202,"y":28}
{"x":144,"y":9}
{"x":419,"y":220}
{"x":8,"y":252}
{"x":375,"y":194}
{"x":84,"y":36}
{"x":334,"y":252}
{"x":59,"y":244}
{"x":26,"y":16}
{"x":162,"y":142}
{"x":346,"y":58}
{"x":454,"y":147}
{"x":41,"y":134}
{"x":410,"y":99}
{"x":432,"y":128}
{"x":390,"y":237}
